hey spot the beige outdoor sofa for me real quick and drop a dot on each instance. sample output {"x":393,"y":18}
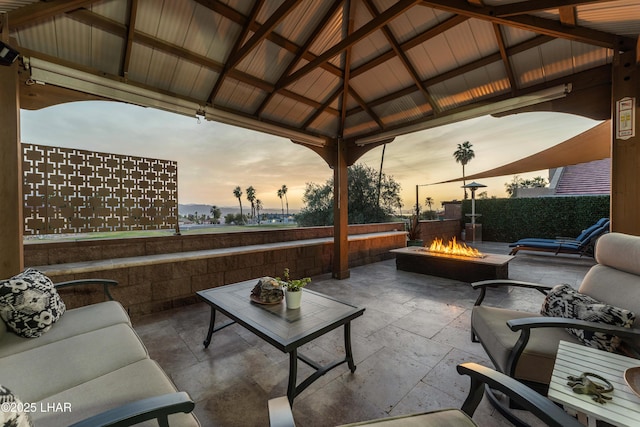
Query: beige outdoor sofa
{"x":90,"y":368}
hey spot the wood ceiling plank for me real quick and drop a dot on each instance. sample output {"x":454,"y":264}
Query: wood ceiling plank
{"x":40,"y":11}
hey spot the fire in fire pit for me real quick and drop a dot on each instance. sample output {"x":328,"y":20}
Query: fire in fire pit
{"x":454,"y":248}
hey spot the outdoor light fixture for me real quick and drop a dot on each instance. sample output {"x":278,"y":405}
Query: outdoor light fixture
{"x":549,"y":94}
{"x":59,"y":75}
{"x":7,"y":54}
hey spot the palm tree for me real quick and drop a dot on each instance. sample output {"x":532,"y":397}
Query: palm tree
{"x":251,"y":197}
{"x":463,"y":155}
{"x":280,"y":194}
{"x":284,"y":193}
{"x":238,"y":193}
{"x":216,"y":213}
{"x":429,"y":202}
{"x":258,"y":208}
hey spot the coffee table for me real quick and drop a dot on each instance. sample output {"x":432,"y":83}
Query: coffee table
{"x":573,"y":359}
{"x":283,"y":328}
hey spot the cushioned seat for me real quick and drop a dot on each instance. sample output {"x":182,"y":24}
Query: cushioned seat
{"x":138,"y":380}
{"x":524,"y":345}
{"x":63,"y":364}
{"x":73,"y":322}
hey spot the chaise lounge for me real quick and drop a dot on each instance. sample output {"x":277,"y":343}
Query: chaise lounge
{"x":581,"y":245}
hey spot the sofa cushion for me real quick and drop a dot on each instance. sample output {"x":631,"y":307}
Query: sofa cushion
{"x":74,"y":322}
{"x":13,"y":412}
{"x":49,"y":369}
{"x":139,"y":380}
{"x":29,"y":303}
{"x":564,"y":301}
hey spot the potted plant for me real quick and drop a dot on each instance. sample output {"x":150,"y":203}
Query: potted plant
{"x":413,"y":232}
{"x":293,"y":289}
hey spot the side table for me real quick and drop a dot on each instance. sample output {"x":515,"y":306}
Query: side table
{"x":573,"y":359}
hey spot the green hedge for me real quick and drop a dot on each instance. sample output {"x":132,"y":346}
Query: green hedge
{"x":507,"y":220}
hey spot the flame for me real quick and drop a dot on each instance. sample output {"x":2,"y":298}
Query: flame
{"x":454,"y":248}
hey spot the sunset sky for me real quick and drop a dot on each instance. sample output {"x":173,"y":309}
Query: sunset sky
{"x":214,"y":158}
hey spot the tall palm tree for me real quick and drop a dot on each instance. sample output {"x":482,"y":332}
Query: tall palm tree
{"x":284,"y":193}
{"x":463,"y":155}
{"x":251,"y":197}
{"x":258,"y":208}
{"x":280,"y":194}
{"x":238,"y":193}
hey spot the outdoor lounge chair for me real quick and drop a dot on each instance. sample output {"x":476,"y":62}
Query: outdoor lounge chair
{"x":280,"y":414}
{"x":581,"y":245}
{"x":523,"y":345}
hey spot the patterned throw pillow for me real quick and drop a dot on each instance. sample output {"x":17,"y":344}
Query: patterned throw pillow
{"x":29,"y":303}
{"x":12,"y":410}
{"x":564,"y":301}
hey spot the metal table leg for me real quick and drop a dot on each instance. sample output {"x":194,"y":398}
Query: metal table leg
{"x":293,"y":375}
{"x":347,"y":347}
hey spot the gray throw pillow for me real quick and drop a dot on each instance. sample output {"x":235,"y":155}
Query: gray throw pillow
{"x":29,"y":303}
{"x":564,"y":301}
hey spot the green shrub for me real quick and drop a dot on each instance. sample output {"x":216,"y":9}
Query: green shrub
{"x":507,"y":220}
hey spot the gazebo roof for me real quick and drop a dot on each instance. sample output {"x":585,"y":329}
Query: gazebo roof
{"x":316,"y":70}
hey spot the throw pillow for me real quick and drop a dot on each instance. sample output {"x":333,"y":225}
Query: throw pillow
{"x":564,"y":301}
{"x":29,"y":303}
{"x":13,"y":413}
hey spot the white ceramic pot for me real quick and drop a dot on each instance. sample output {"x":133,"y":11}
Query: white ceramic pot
{"x":292,"y":299}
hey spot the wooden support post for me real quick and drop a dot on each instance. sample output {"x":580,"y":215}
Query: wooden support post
{"x":340,"y":213}
{"x":625,"y":151}
{"x":11,"y":221}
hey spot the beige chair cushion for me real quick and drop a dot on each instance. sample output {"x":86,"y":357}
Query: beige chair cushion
{"x":46,"y":370}
{"x":73,"y":322}
{"x":133,"y":382}
{"x":443,"y":418}
{"x":536,"y":362}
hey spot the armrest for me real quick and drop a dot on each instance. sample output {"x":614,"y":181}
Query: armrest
{"x":561,"y":322}
{"x":280,"y":414}
{"x":540,"y":406}
{"x":104,"y":282}
{"x":484,"y":284}
{"x":158,"y":407}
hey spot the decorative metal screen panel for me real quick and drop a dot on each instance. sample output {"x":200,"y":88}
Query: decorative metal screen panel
{"x":78,"y":191}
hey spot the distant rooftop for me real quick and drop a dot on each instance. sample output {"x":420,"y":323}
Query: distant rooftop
{"x":592,"y":178}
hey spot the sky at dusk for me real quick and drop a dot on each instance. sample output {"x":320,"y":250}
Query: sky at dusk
{"x":214,"y":158}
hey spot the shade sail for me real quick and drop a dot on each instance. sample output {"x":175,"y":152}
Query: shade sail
{"x":593,"y":144}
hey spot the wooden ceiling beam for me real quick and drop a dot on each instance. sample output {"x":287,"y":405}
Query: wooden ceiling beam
{"x":568,"y":16}
{"x":410,"y":44}
{"x":505,"y":59}
{"x":347,"y":32}
{"x":536,"y":24}
{"x":521,"y":47}
{"x":532,"y":6}
{"x":40,"y":11}
{"x":368,"y":28}
{"x":131,"y":23}
{"x":400,"y":53}
{"x":240,"y":19}
{"x":366,"y":107}
{"x":236,"y":46}
{"x":304,"y":49}
{"x":591,"y":78}
{"x":324,"y":107}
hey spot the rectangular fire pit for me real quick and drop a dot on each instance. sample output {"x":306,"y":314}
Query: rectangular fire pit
{"x":466,"y":269}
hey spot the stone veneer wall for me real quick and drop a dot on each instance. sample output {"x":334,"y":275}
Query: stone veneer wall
{"x":156,"y":274}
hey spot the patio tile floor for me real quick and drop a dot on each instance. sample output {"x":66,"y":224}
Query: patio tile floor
{"x":415,"y":330}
